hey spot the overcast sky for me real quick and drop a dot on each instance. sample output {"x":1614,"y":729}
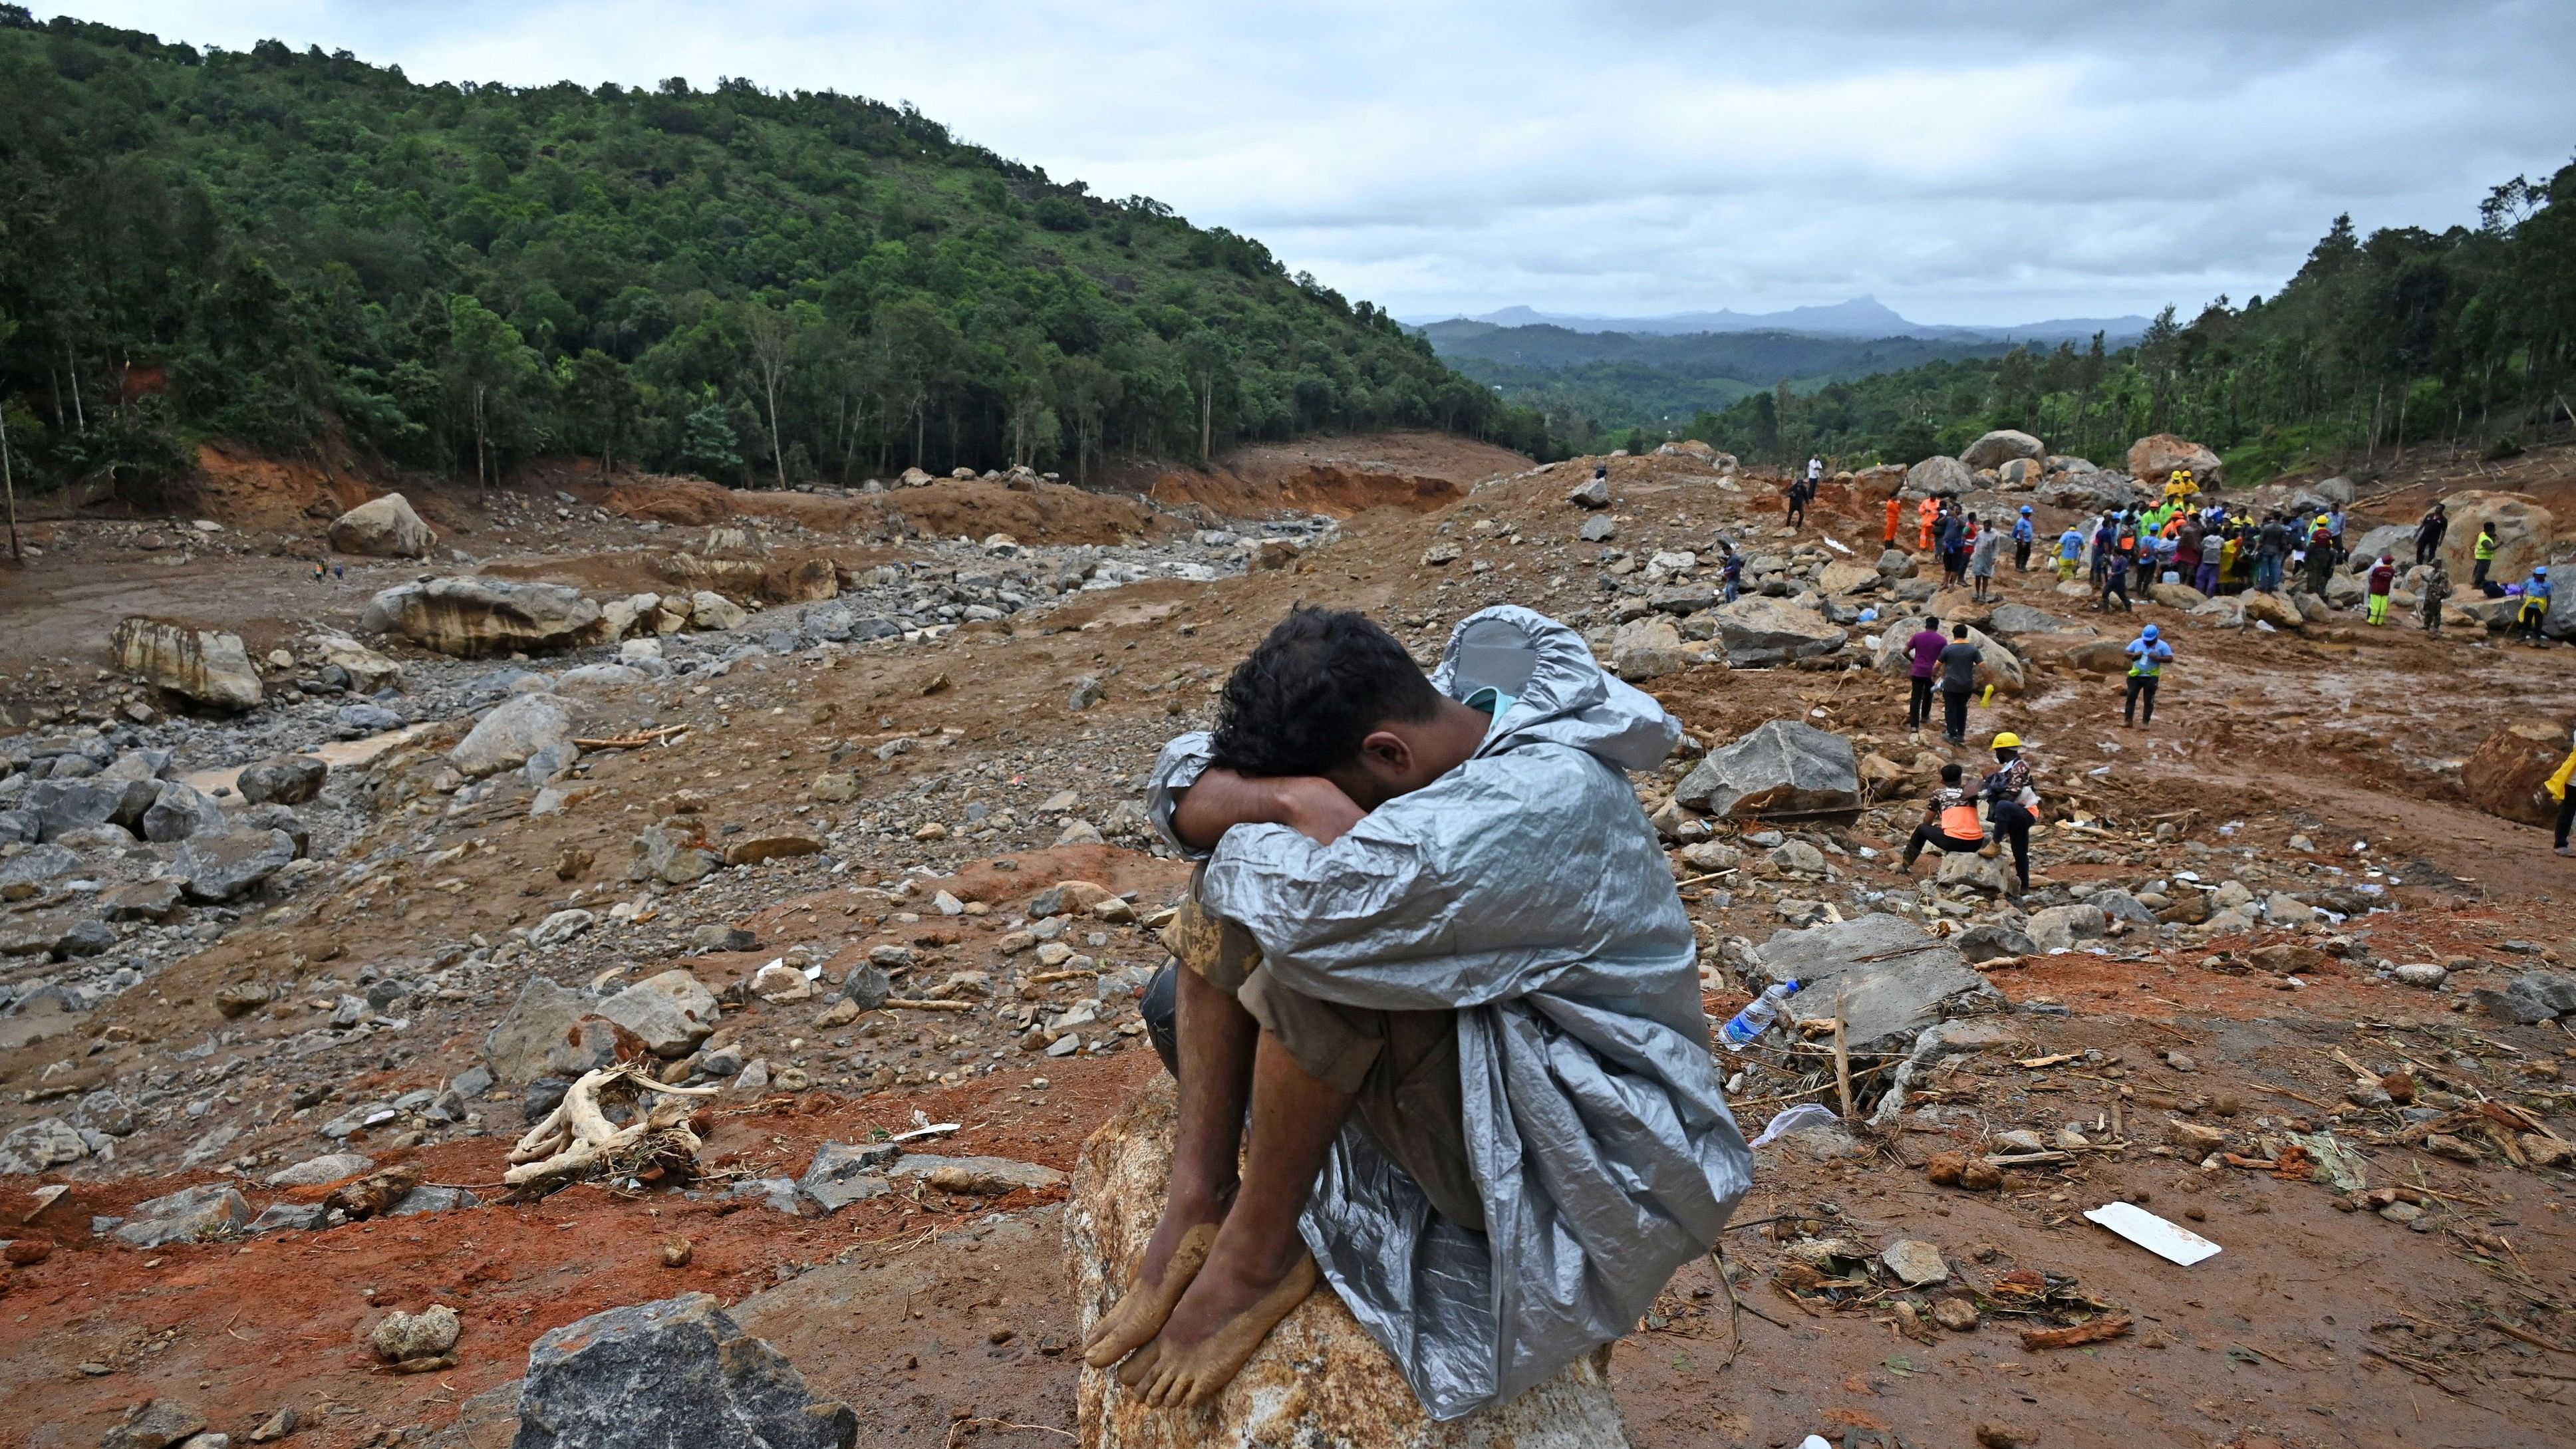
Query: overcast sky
{"x":2000,"y":162}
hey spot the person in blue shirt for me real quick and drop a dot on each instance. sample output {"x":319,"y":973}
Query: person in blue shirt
{"x":2070,"y":552}
{"x":1731,"y":570}
{"x":2104,"y":536}
{"x":2148,"y":655}
{"x":2534,"y":609}
{"x":2025,"y":532}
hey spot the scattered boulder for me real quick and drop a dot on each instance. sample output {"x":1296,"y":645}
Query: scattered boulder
{"x":154,"y":1424}
{"x":2276,"y":610}
{"x":1939,"y":477}
{"x":1646,"y":648}
{"x":976,"y":1176}
{"x":672,"y":1012}
{"x":1999,"y":447}
{"x":284,"y":780}
{"x":321,"y":1171}
{"x":679,"y":1371}
{"x":202,"y":665}
{"x":1916,"y":1263}
{"x":400,"y":1336}
{"x":1593,"y":493}
{"x":1781,"y":770}
{"x":513,"y":733}
{"x":2523,"y":530}
{"x":468,"y":617}
{"x":368,"y":670}
{"x":62,"y":807}
{"x":753,"y":850}
{"x":2505,"y":775}
{"x":524,"y":1044}
{"x":1891,"y":977}
{"x":187,"y":1216}
{"x":2098,"y":656}
{"x":2059,"y":928}
{"x":1599,"y":528}
{"x":181,"y":812}
{"x":1318,"y":1379}
{"x":383,"y":528}
{"x":2152,"y":459}
{"x":1985,"y":874}
{"x":675,"y":852}
{"x":1759,"y":631}
{"x":2532,"y":997}
{"x":1997,"y":664}
{"x":221,"y":867}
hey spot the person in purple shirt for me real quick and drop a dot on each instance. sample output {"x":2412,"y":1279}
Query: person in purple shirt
{"x":1925,"y":646}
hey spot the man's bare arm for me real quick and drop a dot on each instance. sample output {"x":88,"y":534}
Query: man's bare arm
{"x":1219,"y":800}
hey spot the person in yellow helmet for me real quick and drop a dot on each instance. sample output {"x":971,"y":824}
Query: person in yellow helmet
{"x":2559,"y":792}
{"x":2179,"y":485}
{"x":2012,"y":806}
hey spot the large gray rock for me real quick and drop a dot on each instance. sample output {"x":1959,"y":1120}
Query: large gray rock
{"x":1997,"y":665}
{"x":467,"y":617}
{"x":2000,"y":447}
{"x":187,"y":1216}
{"x":1889,"y":976}
{"x":321,"y":1171}
{"x":672,"y":1012}
{"x":43,"y":1143}
{"x":63,"y":806}
{"x":537,"y":1036}
{"x":511,"y":733}
{"x":841,"y":1174}
{"x":1939,"y":477}
{"x":676,"y":1373}
{"x":183,"y":812}
{"x":2012,"y":619}
{"x":2059,"y":928}
{"x":1782,"y":770}
{"x":210,"y":668}
{"x":40,"y":864}
{"x":2532,"y":997}
{"x":285,"y":780}
{"x":368,"y":670}
{"x":1759,"y":631}
{"x":220,"y":867}
{"x":383,"y":528}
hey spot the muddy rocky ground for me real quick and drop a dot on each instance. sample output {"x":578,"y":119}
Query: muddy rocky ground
{"x":2288,"y":835}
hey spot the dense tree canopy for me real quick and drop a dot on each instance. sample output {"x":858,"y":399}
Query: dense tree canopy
{"x":305,"y":252}
{"x":2466,"y":336}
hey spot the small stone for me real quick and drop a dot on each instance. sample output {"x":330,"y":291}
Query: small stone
{"x":153,"y":1424}
{"x":275,"y":1427}
{"x":2181,"y":1062}
{"x":723,"y":938}
{"x":2401,"y":1212}
{"x":426,"y":1334}
{"x":779,"y":982}
{"x":1915,"y":1263}
{"x":1994,"y":1434}
{"x":676,"y":1253}
{"x":1955,"y":1314}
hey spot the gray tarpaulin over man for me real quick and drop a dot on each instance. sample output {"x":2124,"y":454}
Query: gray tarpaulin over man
{"x":1534,"y":898}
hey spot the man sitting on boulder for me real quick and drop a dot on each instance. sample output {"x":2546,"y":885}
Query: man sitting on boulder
{"x":1435,"y":949}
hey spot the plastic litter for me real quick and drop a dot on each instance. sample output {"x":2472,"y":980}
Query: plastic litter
{"x":2169,"y":1241}
{"x":1756,"y":1017}
{"x":1798,"y":1118}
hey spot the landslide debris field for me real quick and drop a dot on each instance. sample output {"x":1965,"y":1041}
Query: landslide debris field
{"x":825,"y":812}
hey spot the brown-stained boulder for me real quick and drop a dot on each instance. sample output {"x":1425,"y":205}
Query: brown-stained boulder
{"x":2153,"y":458}
{"x":2523,"y":529}
{"x":2505,"y":776}
{"x":1319,"y":1379}
{"x":466,"y":617}
{"x":383,"y":528}
{"x":202,"y":665}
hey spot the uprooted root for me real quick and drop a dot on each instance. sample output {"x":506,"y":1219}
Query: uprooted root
{"x":577,"y":1140}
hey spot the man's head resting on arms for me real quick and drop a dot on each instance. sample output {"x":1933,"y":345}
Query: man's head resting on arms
{"x":1331,"y":695}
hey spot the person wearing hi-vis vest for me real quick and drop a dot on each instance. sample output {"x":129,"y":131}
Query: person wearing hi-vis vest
{"x":2483,"y":555}
{"x":2148,"y":655}
{"x":1950,"y":821}
{"x":2559,"y":792}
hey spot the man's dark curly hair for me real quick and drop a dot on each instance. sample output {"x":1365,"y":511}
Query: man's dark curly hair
{"x":1306,"y":697}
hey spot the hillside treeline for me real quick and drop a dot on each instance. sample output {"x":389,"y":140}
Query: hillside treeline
{"x":2407,"y":336}
{"x":312,"y":254}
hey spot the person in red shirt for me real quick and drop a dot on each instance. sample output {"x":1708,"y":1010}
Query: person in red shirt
{"x":1925,"y":646}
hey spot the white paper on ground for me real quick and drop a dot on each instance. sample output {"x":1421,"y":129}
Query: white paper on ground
{"x":2172,"y":1243}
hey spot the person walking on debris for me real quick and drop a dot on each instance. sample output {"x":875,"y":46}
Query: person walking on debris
{"x":1949,"y":821}
{"x":1959,"y":660}
{"x":2025,"y":533}
{"x":1927,"y":514}
{"x":1730,"y":571}
{"x":2070,"y":553}
{"x":2533,"y":611}
{"x":1954,"y":548}
{"x":2115,"y":581}
{"x":1895,"y":516}
{"x":2012,"y":804}
{"x":2429,"y":533}
{"x":2483,"y":553}
{"x":1382,"y":959}
{"x":2558,"y":791}
{"x":2105,"y":530}
{"x":2148,"y":655}
{"x":1800,"y":490}
{"x":2437,"y":587}
{"x":1815,"y":474}
{"x":2383,"y":579}
{"x":1925,"y":648}
{"x":1981,"y":562}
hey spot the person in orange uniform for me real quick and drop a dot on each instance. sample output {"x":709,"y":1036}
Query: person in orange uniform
{"x":1895,"y":516}
{"x":1928,"y":515}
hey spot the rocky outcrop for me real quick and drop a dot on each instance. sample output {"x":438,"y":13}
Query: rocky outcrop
{"x":1785,"y":769}
{"x":383,"y":528}
{"x":1997,"y":664}
{"x":284,"y":780}
{"x":1759,"y":631}
{"x":466,"y":617}
{"x":199,"y":664}
{"x":2153,"y":458}
{"x":2000,"y":447}
{"x":514,"y":733}
{"x":676,"y":1372}
{"x":1318,"y":1380}
{"x":1646,"y":648}
{"x":2505,"y":776}
{"x":218,"y":868}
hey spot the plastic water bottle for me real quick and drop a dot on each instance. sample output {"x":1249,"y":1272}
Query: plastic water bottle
{"x":1756,"y":1018}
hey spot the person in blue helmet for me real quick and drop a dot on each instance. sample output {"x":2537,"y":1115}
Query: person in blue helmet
{"x":2533,"y":611}
{"x":2025,"y":533}
{"x":2148,"y":655}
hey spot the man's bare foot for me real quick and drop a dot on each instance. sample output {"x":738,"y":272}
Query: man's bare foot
{"x":1139,"y":1313}
{"x":1213,"y":1332}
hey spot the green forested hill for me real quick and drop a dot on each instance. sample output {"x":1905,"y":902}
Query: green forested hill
{"x":2466,"y":335}
{"x":303,"y":251}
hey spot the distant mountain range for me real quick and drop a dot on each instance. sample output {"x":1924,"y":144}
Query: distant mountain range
{"x":1859,"y":317}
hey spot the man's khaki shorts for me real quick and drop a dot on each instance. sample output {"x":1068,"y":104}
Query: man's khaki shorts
{"x":1401,"y":1066}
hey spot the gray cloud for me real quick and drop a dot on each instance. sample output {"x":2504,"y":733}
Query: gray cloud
{"x":1988,"y":162}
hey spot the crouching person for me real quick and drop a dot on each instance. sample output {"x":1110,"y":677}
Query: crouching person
{"x":1433,"y":973}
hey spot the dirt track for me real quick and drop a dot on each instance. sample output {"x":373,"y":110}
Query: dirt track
{"x":2314,"y":1327}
